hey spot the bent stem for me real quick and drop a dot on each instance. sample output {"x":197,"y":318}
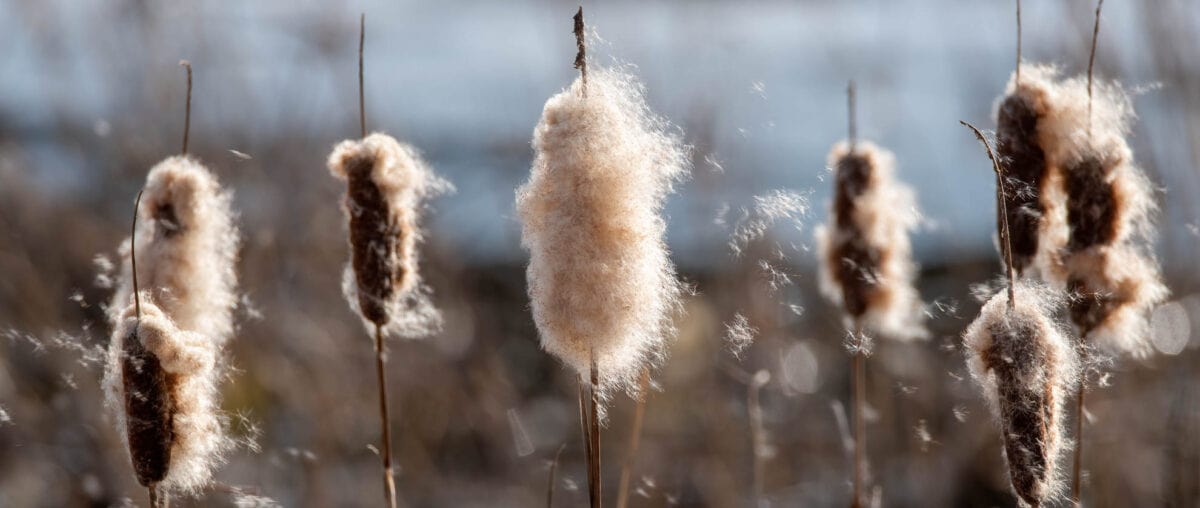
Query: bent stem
{"x":635,"y":435}
{"x":389,"y":484}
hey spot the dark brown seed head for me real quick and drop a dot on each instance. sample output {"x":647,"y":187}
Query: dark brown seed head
{"x":858,"y":268}
{"x":1091,"y":205}
{"x":148,"y":410}
{"x":375,"y":240}
{"x":1025,"y":167}
{"x":1027,"y":410}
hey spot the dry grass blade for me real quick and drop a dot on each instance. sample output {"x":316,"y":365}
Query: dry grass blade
{"x":1002,"y":199}
{"x":551,"y":481}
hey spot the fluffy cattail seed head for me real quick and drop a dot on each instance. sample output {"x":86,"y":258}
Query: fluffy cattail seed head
{"x":187,"y":247}
{"x":1021,"y":144}
{"x":1026,"y":367}
{"x":1105,"y":209}
{"x":865,"y":254}
{"x":160,"y":381}
{"x":600,"y":277}
{"x":386,"y":184}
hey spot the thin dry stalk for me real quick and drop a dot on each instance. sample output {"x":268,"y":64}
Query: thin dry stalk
{"x":389,"y":482}
{"x":851,"y":121}
{"x":550,"y":483}
{"x":581,"y":55}
{"x":1018,"y":42}
{"x":859,"y":381}
{"x":1002,"y":200}
{"x":187,"y":115}
{"x":362,"y":108}
{"x":758,"y":435}
{"x":635,"y":435}
{"x":1092,"y":62}
{"x":594,"y":486}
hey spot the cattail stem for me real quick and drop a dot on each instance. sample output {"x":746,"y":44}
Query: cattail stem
{"x":362,"y":108}
{"x":187,"y":114}
{"x":1077,"y":471}
{"x":553,"y":474}
{"x":389,"y":484}
{"x":858,"y":385}
{"x":1018,"y":80}
{"x":594,"y":485}
{"x":851,"y":113}
{"x":152,"y":491}
{"x":758,"y":436}
{"x":581,"y":44}
{"x":137,"y":297}
{"x":1002,"y":200}
{"x":635,"y":435}
{"x":1092,"y":62}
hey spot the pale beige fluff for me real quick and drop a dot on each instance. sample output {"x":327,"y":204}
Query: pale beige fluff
{"x":1054,"y":378}
{"x":600,"y":277}
{"x":1129,"y":282}
{"x":186,"y":257}
{"x":406,"y":182}
{"x":886,"y":213}
{"x":1123,"y":269}
{"x":189,"y":358}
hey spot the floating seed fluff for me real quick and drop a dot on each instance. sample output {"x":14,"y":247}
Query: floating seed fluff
{"x":600,"y":277}
{"x":387,"y":183}
{"x":865,"y":254}
{"x":1026,"y":367}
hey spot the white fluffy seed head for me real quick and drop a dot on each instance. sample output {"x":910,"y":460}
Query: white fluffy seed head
{"x":865,"y":256}
{"x":1026,"y":367}
{"x":189,"y":389}
{"x":387,"y":186}
{"x":1102,"y":211}
{"x":187,"y":247}
{"x":600,"y":277}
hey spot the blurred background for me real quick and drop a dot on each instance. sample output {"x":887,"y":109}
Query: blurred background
{"x":91,"y":96}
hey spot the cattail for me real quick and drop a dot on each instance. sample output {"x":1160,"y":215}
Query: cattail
{"x":866,"y":262}
{"x":1022,"y":142}
{"x":161,"y":383}
{"x":386,"y":185}
{"x":161,"y":375}
{"x":187,"y":247}
{"x":601,"y":280}
{"x":1106,"y":207}
{"x":1024,"y":364}
{"x":1026,"y":367}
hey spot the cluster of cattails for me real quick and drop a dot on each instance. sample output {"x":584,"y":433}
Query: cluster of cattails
{"x":172,"y":314}
{"x":866,"y":265}
{"x":601,"y":281}
{"x":1076,"y":222}
{"x":387,"y":184}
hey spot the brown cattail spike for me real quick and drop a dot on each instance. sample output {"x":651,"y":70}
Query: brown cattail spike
{"x":1092,"y":62}
{"x":362,"y":108}
{"x":1018,"y":145}
{"x":1001,"y":200}
{"x":581,"y":44}
{"x":858,"y":270}
{"x":148,"y":409}
{"x":187,"y":115}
